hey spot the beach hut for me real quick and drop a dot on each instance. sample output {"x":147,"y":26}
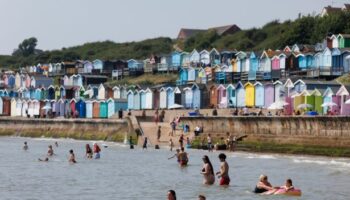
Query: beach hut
{"x":137,"y":105}
{"x":222,"y":96}
{"x":18,"y":81}
{"x":142,"y":99}
{"x":231,"y":95}
{"x":24,"y":108}
{"x":6,"y":109}
{"x":240,"y":95}
{"x":72,"y":104}
{"x":19,"y":105}
{"x":96,"y":109}
{"x":62,"y":108}
{"x":13,"y":107}
{"x":178,"y":96}
{"x":301,"y":99}
{"x":149,"y":99}
{"x":194,"y":57}
{"x":80,"y":107}
{"x":101,"y":92}
{"x":163,"y":98}
{"x":188,"y":97}
{"x":130,"y":97}
{"x":343,"y":95}
{"x":37,"y":94}
{"x":318,"y":100}
{"x":123,"y":92}
{"x":196,"y":100}
{"x":55,"y":107}
{"x":249,"y":94}
{"x":279,"y":91}
{"x":288,"y":108}
{"x":116,"y":92}
{"x":253,"y":66}
{"x":103,"y":109}
{"x":89,"y":108}
{"x":214,"y":57}
{"x":204,"y":57}
{"x":269,"y":94}
{"x":11,"y":81}
{"x":156,"y":97}
{"x":191,"y":74}
{"x":299,"y":86}
{"x":259,"y":95}
{"x":170,"y":97}
{"x":110,"y":107}
{"x":329,"y":96}
{"x":213,"y":93}
{"x":51,"y":92}
{"x":36,"y":108}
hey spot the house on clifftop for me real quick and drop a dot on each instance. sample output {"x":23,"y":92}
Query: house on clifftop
{"x":186,"y":33}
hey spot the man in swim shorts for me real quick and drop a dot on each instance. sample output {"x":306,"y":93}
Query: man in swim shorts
{"x":183,"y":157}
{"x":223,"y":173}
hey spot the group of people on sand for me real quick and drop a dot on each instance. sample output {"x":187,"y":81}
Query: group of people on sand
{"x":88,"y":152}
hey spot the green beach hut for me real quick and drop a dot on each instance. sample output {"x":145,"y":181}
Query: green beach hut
{"x":103,"y":109}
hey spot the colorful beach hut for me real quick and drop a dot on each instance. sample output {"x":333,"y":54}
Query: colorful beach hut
{"x":24,"y":108}
{"x":89,"y":108}
{"x":249,"y":94}
{"x":279,"y":91}
{"x":240,"y":95}
{"x":149,"y":99}
{"x":142,"y":99}
{"x":80,"y":107}
{"x":6,"y":109}
{"x":137,"y":105}
{"x":110,"y":107}
{"x":343,"y":95}
{"x":269,"y":94}
{"x":130,"y":97}
{"x":103,"y":109}
{"x":1,"y":105}
{"x":188,"y":97}
{"x":213,"y":96}
{"x":259,"y":95}
{"x":13,"y":107}
{"x":162,"y":98}
{"x":222,"y":96}
{"x":96,"y":109}
{"x":19,"y":105}
{"x":170,"y":97}
{"x":329,"y":96}
{"x":178,"y":96}
{"x":231,"y":95}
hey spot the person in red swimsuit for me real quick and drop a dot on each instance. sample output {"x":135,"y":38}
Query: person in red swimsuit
{"x":223,"y":173}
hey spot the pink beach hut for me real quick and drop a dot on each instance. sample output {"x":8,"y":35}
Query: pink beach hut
{"x":269,"y":94}
{"x":343,"y":95}
{"x":222,"y":97}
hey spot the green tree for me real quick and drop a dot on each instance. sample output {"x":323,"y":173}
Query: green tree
{"x":26,"y":48}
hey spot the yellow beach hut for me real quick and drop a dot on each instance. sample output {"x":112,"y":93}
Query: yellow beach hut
{"x":249,"y":94}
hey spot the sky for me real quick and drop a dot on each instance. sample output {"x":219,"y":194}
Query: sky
{"x":65,"y":23}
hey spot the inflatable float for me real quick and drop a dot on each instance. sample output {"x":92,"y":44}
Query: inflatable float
{"x":282,"y":191}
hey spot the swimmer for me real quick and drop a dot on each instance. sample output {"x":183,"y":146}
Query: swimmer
{"x":71,"y":156}
{"x":183,"y":157}
{"x":43,"y":160}
{"x":88,"y":151}
{"x":208,"y":172}
{"x":288,"y":185}
{"x":50,"y":151}
{"x":263,"y":185}
{"x":176,"y":155}
{"x":25,"y":147}
{"x":223,"y":173}
{"x":97,"y":151}
{"x":201,"y":197}
{"x":56,"y":144}
{"x":171,"y":195}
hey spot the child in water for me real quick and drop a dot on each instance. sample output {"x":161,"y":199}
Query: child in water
{"x":71,"y":156}
{"x":288,"y":185}
{"x":25,"y":147}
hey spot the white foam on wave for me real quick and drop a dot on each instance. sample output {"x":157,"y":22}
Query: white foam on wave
{"x":253,"y":155}
{"x":332,"y":162}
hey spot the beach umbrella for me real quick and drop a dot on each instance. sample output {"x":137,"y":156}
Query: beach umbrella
{"x":328,"y":104}
{"x":304,"y":106}
{"x":175,"y":106}
{"x":275,"y":106}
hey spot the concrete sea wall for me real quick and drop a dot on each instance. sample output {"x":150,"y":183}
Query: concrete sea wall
{"x":86,"y":129}
{"x":316,"y":131}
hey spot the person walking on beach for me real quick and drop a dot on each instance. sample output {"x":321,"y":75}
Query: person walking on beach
{"x":97,"y":151}
{"x":171,"y":195}
{"x":210,"y":147}
{"x":25,"y":147}
{"x":88,"y":151}
{"x":71,"y":157}
{"x":223,"y":173}
{"x":171,"y":144}
{"x":50,"y":151}
{"x":173,"y":128}
{"x":181,"y":140}
{"x":183,"y":157}
{"x":208,"y":171}
{"x":144,"y":146}
{"x":156,"y":117}
{"x":159,"y":132}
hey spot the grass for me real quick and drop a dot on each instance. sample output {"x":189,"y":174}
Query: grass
{"x":146,"y":79}
{"x":345,"y":79}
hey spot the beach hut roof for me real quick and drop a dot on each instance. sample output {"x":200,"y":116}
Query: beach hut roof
{"x":258,"y":83}
{"x":289,"y":84}
{"x":278,"y":82}
{"x":343,"y":91}
{"x":248,"y":84}
{"x":231,"y":86}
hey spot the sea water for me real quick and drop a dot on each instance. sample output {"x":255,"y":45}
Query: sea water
{"x":122,"y":173}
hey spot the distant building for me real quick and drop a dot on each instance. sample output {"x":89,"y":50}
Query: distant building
{"x":331,"y":10}
{"x":186,"y":33}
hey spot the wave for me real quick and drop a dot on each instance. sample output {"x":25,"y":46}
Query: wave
{"x":333,"y":162}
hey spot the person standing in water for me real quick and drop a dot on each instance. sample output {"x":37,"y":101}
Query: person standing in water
{"x":144,"y":146}
{"x":56,"y":144}
{"x":183,"y":157}
{"x":171,"y":195}
{"x":171,"y":144}
{"x":223,"y":173}
{"x":97,"y":151}
{"x":50,"y":151}
{"x":176,"y":155}
{"x":210,"y":147}
{"x":208,"y":172}
{"x":181,"y":140}
{"x":131,"y":143}
{"x":25,"y":147}
{"x":71,"y":157}
{"x":88,"y":151}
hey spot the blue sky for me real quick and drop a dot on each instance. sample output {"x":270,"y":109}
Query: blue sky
{"x":64,"y":23}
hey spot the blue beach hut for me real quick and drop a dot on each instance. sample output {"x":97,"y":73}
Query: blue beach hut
{"x":259,"y":94}
{"x":240,"y":95}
